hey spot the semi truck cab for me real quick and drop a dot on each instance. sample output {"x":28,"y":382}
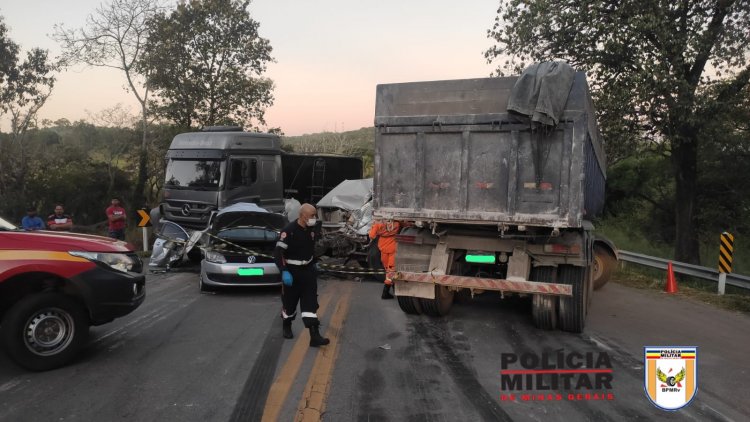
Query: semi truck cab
{"x":209,"y":170}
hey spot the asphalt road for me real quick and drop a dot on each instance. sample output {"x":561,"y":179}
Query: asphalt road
{"x":186,"y":356}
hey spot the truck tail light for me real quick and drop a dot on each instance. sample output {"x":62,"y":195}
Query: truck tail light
{"x":405,"y":238}
{"x":562,"y":249}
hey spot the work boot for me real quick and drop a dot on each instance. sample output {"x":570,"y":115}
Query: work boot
{"x":316,"y":340}
{"x":287,"y":328}
{"x":386,"y":292}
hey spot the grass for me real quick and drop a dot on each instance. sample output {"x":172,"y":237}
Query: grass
{"x":704,"y":291}
{"x":628,"y":239}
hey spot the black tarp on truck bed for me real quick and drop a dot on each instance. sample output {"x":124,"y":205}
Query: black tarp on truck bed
{"x":449,"y":151}
{"x":309,"y":177}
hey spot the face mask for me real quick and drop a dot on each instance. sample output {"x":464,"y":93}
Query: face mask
{"x":311,"y":222}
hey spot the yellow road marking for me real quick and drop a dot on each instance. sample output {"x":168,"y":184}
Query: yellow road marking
{"x":280,"y":388}
{"x":313,"y":402}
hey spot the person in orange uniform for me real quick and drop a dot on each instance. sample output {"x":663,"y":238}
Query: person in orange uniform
{"x":386,"y":233}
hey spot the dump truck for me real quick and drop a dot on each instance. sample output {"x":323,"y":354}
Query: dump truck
{"x":492,"y":199}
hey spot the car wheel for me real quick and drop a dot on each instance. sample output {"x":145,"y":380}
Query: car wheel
{"x":45,"y":331}
{"x":205,"y":288}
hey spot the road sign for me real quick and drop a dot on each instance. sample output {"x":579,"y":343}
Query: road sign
{"x":726,"y":250}
{"x":145,"y":218}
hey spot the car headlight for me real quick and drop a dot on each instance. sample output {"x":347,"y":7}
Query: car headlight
{"x":215,"y":257}
{"x":117,"y":261}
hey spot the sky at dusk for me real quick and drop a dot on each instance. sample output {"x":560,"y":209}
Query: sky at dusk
{"x":330,"y":55}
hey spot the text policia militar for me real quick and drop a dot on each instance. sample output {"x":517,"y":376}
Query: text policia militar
{"x":557,"y":375}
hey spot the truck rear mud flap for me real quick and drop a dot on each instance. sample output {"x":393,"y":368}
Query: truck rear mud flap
{"x":422,"y":285}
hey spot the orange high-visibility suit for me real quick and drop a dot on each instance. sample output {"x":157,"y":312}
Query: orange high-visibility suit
{"x":386,"y":233}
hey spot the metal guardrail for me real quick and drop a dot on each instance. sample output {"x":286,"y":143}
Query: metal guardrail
{"x":736,"y":280}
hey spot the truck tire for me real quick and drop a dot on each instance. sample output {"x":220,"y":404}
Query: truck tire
{"x":409,"y":304}
{"x":45,"y":331}
{"x":544,"y":311}
{"x":603,"y":266}
{"x":543,"y":307}
{"x":572,"y":309}
{"x":441,"y":305}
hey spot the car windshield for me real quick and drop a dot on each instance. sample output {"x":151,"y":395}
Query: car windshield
{"x":249,"y":233}
{"x":5,"y":225}
{"x":193,"y":174}
{"x":170,"y":230}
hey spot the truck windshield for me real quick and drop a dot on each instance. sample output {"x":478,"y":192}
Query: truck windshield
{"x":193,"y":174}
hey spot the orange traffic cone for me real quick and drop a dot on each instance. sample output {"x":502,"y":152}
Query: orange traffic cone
{"x":671,"y":286}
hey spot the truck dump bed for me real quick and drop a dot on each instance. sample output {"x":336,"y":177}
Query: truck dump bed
{"x":448,"y":151}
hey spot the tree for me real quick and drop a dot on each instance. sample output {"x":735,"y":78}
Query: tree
{"x":163,"y":135}
{"x":205,"y":61}
{"x":114,"y":37}
{"x":116,"y":130}
{"x":723,"y":191}
{"x":660,"y":72}
{"x":24,"y":88}
{"x":65,"y":173}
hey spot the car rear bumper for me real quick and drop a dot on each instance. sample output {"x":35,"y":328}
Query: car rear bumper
{"x":214,"y":274}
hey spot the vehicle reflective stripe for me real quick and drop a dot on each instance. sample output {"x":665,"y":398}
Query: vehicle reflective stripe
{"x":309,"y":315}
{"x":283,"y":314}
{"x":39,"y":255}
{"x":282,"y":245}
{"x":298,"y":262}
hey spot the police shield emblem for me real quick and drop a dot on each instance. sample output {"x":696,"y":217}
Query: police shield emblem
{"x":671,"y":375}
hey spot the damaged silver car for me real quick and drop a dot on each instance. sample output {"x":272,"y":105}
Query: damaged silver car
{"x":239,"y":246}
{"x":346,"y":215}
{"x":172,"y":246}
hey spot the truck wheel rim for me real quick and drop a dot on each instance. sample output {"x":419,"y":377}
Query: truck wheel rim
{"x":598,"y":267}
{"x":49,"y":331}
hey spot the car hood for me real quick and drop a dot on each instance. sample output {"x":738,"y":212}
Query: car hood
{"x":348,"y":195}
{"x":55,"y":241}
{"x":244,"y":214}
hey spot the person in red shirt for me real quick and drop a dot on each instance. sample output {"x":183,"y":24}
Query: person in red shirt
{"x":60,"y":221}
{"x":386,"y":233}
{"x":117,"y":220}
